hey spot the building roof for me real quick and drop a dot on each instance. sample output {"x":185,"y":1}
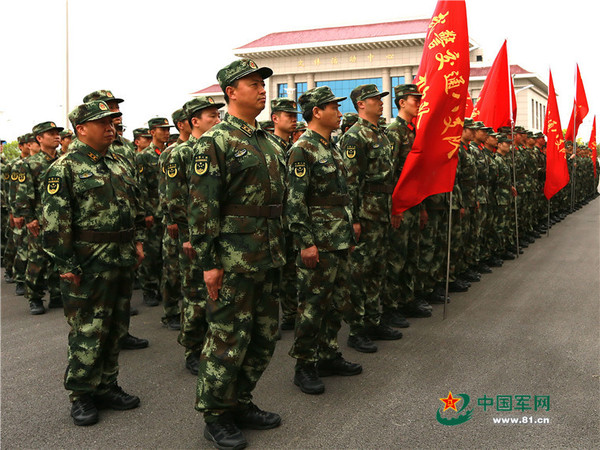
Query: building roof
{"x":212,"y":89}
{"x":483,"y":71}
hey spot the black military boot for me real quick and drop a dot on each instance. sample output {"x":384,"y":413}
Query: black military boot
{"x":130,"y":342}
{"x":338,"y":366}
{"x":307,"y":378}
{"x":255,"y":418}
{"x":172,"y":322}
{"x":36,"y":307}
{"x":192,"y":363}
{"x":224,"y":434}
{"x":116,"y":398}
{"x":361,"y":343}
{"x":20,"y":288}
{"x":383,"y":332}
{"x":84,"y":411}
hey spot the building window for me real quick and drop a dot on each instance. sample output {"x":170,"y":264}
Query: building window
{"x":301,"y":88}
{"x":532,"y":112}
{"x":395,"y":82}
{"x":342,"y":88}
{"x":282,"y":90}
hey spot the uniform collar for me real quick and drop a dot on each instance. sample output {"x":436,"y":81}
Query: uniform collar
{"x":409,"y":125}
{"x":317,"y":137}
{"x":366,"y":123}
{"x":244,"y":127}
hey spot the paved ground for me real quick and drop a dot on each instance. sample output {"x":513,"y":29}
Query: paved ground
{"x":529,"y":328}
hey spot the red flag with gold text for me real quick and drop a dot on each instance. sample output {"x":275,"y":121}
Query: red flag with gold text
{"x":580,"y":109}
{"x":443,"y":79}
{"x":557,"y":172}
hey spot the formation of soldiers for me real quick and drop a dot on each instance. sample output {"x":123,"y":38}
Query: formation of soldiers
{"x":230,"y":221}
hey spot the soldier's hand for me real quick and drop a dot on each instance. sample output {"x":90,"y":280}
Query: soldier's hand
{"x":357,"y":230}
{"x":310,"y":256}
{"x":214,"y":281}
{"x":423,"y":219}
{"x":462,"y":213}
{"x":34,"y":227}
{"x":139,"y":251}
{"x":19,"y":222}
{"x":71,"y":278}
{"x":514,"y":191}
{"x":396,"y":220}
{"x":189,"y":250}
{"x":149,"y":221}
{"x":173,"y":230}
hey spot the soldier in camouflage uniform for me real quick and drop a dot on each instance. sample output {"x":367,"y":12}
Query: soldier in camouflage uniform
{"x":141,"y":139}
{"x":170,"y":281}
{"x":504,"y":195}
{"x":28,"y":210}
{"x":66,"y":136}
{"x":236,"y":196}
{"x":367,"y":154}
{"x":284,"y":114}
{"x":319,"y":214}
{"x":148,"y":176}
{"x":403,"y":257}
{"x":203,"y":114}
{"x":9,"y":248}
{"x":93,"y":232}
{"x":300,"y":128}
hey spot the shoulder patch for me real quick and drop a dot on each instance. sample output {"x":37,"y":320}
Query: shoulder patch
{"x":172,"y":170}
{"x":246,"y":129}
{"x":201,"y":164}
{"x":53,"y":185}
{"x":300,"y":168}
{"x":14,"y":176}
{"x":351,"y":151}
{"x":324,"y":142}
{"x":22,"y":177}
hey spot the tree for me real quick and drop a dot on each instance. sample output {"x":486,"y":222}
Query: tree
{"x":11,"y":150}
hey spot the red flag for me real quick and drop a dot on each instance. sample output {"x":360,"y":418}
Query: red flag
{"x":592,"y":144}
{"x":469,"y":108}
{"x":443,"y":79}
{"x":557,"y":173}
{"x":580,"y":109}
{"x":497,"y":97}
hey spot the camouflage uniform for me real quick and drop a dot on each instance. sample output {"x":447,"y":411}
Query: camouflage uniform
{"x":467,"y":179}
{"x":367,"y":154}
{"x":90,"y":222}
{"x":318,"y":211}
{"x":236,"y":195}
{"x":483,"y":215}
{"x":8,"y":244}
{"x":503,"y":199}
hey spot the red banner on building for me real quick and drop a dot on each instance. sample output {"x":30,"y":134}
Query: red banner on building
{"x":443,"y":79}
{"x":557,"y":172}
{"x":580,"y":109}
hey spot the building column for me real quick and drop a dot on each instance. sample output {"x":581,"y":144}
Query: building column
{"x":310,"y":81}
{"x":408,"y":75}
{"x":291,"y":89}
{"x":386,"y":86}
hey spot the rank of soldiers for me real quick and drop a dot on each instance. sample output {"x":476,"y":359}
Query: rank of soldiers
{"x":226,"y":220}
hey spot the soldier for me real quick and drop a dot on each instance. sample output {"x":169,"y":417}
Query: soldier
{"x":28,"y":211}
{"x":300,"y":128}
{"x":505,"y":193}
{"x":93,"y":231}
{"x":141,"y":138}
{"x":284,"y":113}
{"x":367,"y":154}
{"x":66,"y":136}
{"x":148,"y":175}
{"x":348,"y":119}
{"x":319,"y":214}
{"x":8,"y":224}
{"x":203,"y":114}
{"x":236,"y":195}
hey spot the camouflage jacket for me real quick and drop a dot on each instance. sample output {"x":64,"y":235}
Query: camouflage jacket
{"x":483,"y":172}
{"x":523,"y":180}
{"x":283,"y":145}
{"x":85,"y":191}
{"x":367,"y":155}
{"x":28,"y":197}
{"x":318,"y":208}
{"x":235,"y":174}
{"x":503,"y":179}
{"x":6,"y":171}
{"x":492,"y":174}
{"x":177,"y":184}
{"x":466,"y":176}
{"x":402,"y":136}
{"x":149,"y":176}
{"x":125,"y":148}
{"x":163,"y":161}
{"x":15,"y":169}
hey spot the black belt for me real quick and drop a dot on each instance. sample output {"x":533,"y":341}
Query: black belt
{"x":379,"y":188}
{"x":268,"y":211}
{"x":104,"y":237}
{"x":328,"y":201}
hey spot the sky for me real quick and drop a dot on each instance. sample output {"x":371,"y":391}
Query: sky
{"x":155,"y":53}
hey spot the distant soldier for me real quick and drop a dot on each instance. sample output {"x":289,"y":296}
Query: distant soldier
{"x":141,"y":138}
{"x":66,"y":136}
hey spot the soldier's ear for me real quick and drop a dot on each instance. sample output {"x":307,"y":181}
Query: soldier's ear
{"x":230,"y":91}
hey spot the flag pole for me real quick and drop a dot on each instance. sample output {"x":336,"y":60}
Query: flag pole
{"x":574,"y":168}
{"x":548,"y":229}
{"x":512,"y":149}
{"x":67,"y":122}
{"x":448,"y":255}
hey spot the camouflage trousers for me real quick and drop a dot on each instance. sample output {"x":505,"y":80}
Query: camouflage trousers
{"x":193,"y":306}
{"x":431,"y":252}
{"x":457,"y":252}
{"x":525,"y":213}
{"x":483,"y":226}
{"x":9,"y":252}
{"x":40,"y":272}
{"x":239,"y":343}
{"x":98,"y":313}
{"x":20,"y":261}
{"x":401,"y":262}
{"x":289,"y":279}
{"x":502,"y":226}
{"x":5,"y":231}
{"x":151,"y":268}
{"x":494,"y":239}
{"x":469,"y":230}
{"x":170,"y":281}
{"x":367,"y":268}
{"x":323,"y":297}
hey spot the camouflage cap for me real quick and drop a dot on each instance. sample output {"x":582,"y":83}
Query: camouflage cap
{"x":179,"y":115}
{"x":407,"y":89}
{"x":504,"y":139}
{"x":301,"y":126}
{"x":478,"y":125}
{"x":469,"y":123}
{"x":493,"y":134}
{"x":504,"y":130}
{"x":530,"y":135}
{"x":22,"y":139}
{"x":30,"y":137}
{"x":365,"y":91}
{"x":43,"y":127}
{"x":102,"y":94}
{"x":348,"y":119}
{"x":539,"y":135}
{"x":198,"y":103}
{"x":488,"y":130}
{"x":141,"y":132}
{"x":66,"y":134}
{"x":158,"y":122}
{"x":173,"y":137}
{"x":284,"y":104}
{"x":520,"y":130}
{"x":267,"y":125}
{"x":239,"y":69}
{"x":93,"y":110}
{"x":318,"y":96}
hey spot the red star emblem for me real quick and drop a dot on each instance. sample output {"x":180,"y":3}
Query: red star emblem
{"x":450,"y":402}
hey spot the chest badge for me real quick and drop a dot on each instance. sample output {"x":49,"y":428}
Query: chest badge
{"x":201,"y":164}
{"x":53,"y":185}
{"x":350,"y":151}
{"x":21,"y":177}
{"x":299,"y":169}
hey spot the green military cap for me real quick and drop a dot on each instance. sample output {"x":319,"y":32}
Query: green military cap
{"x":407,"y":89}
{"x":478,"y":125}
{"x":348,"y":119}
{"x":318,"y":96}
{"x":239,"y":69}
{"x":93,"y":110}
{"x":45,"y":126}
{"x":504,"y":130}
{"x":22,"y":139}
{"x":539,"y":134}
{"x":104,"y":95}
{"x":488,"y":130}
{"x":173,"y":137}
{"x":504,"y":138}
{"x":301,"y":126}
{"x":30,"y":137}
{"x":198,"y":103}
{"x":141,"y":132}
{"x":530,"y":135}
{"x":66,"y":133}
{"x":179,"y":115}
{"x":365,"y":91}
{"x":520,"y":130}
{"x":469,"y":123}
{"x":158,"y":122}
{"x":284,"y":104}
{"x":492,"y":134}
{"x":267,"y":125}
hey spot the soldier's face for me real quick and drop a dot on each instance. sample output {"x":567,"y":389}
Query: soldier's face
{"x":142,"y":142}
{"x":113,"y":105}
{"x":208,"y":119}
{"x":411,"y":105}
{"x":49,"y":139}
{"x":160,"y":134}
{"x":330,"y":116}
{"x":250,"y":92}
{"x":504,"y":147}
{"x":98,"y":134}
{"x":34,"y":147}
{"x":285,"y":121}
{"x":374,"y":106}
